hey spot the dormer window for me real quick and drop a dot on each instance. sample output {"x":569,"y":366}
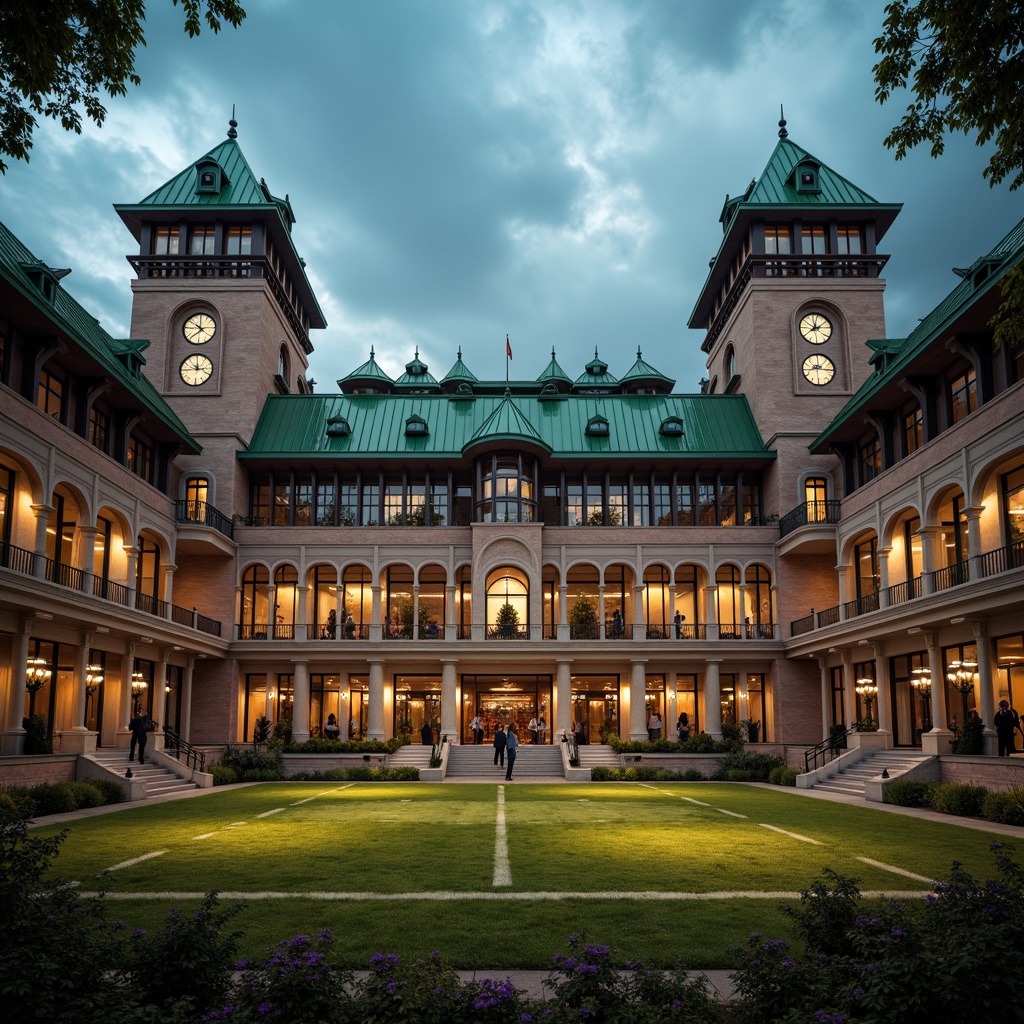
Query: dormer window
{"x":337,"y":426}
{"x":807,"y":179}
{"x":672,"y":427}
{"x":597,"y":426}
{"x":416,"y":426}
{"x":209,"y":178}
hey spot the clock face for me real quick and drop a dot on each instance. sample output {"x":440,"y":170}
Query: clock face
{"x":818,"y":369}
{"x":815,"y":328}
{"x":196,"y":370}
{"x":199,"y":328}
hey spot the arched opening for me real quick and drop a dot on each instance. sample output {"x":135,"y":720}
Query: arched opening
{"x":507,"y":489}
{"x":254,"y":610}
{"x":286,"y":597}
{"x":508,"y":604}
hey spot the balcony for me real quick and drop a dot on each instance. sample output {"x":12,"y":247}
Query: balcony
{"x":70,"y":578}
{"x":809,"y":512}
{"x":202,"y":513}
{"x":991,"y":563}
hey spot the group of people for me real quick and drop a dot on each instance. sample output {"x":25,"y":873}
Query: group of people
{"x":506,"y":744}
{"x":1007,"y":723}
{"x":330,"y":628}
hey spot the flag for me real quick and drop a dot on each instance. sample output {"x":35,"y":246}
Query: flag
{"x":508,"y":348}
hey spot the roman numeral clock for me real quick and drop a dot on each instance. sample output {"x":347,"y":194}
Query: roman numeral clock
{"x":197,"y":368}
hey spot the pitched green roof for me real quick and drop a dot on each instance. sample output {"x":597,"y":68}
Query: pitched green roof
{"x":893,"y":358}
{"x":121,"y":360}
{"x":459,"y":373}
{"x":643,"y":373}
{"x":294,"y":427}
{"x":596,"y":375}
{"x":553,"y":372}
{"x":368,"y":375}
{"x":417,"y":374}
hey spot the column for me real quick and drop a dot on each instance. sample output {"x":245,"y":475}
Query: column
{"x":937,"y":740}
{"x":79,"y":739}
{"x":743,"y":619}
{"x":671,"y":708}
{"x":973,"y":515}
{"x":13,"y":740}
{"x":638,"y":699}
{"x":300,"y":702}
{"x":160,"y":696}
{"x":300,"y":632}
{"x":186,"y":700}
{"x":826,"y":698}
{"x":843,"y":573}
{"x":375,"y":623}
{"x":849,"y":691}
{"x":167,"y":587}
{"x":415,"y":611}
{"x":451,"y":625}
{"x":375,"y":712}
{"x":563,"y":695}
{"x":883,"y":577}
{"x":712,"y":700}
{"x":450,"y":699}
{"x":131,"y":579}
{"x":711,"y":617}
{"x":124,"y":713}
{"x":986,"y":687}
{"x":600,"y":612}
{"x":930,"y":537}
{"x":42,"y":514}
{"x":563,"y":612}
{"x":87,"y":555}
{"x":882,"y":697}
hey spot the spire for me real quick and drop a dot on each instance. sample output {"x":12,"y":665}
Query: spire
{"x":232,"y":124}
{"x":783,"y":134}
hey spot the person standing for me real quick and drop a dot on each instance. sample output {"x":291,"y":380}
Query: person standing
{"x":500,"y":741}
{"x":654,"y":727}
{"x":139,"y":728}
{"x":427,"y":735}
{"x":478,"y":729}
{"x":683,"y":727}
{"x":617,"y":627}
{"x":541,"y":736}
{"x":332,"y":730}
{"x":1007,"y":722}
{"x":511,"y":748}
{"x":533,"y":730}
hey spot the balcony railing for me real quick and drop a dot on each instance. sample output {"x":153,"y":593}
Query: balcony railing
{"x":508,"y":631}
{"x":204,"y":514}
{"x":809,"y":512}
{"x":69,"y":577}
{"x":992,"y":563}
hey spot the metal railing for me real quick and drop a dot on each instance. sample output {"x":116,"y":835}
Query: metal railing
{"x":508,"y":631}
{"x":184,"y":751}
{"x":810,"y":512}
{"x":203,"y":513}
{"x":826,"y":750}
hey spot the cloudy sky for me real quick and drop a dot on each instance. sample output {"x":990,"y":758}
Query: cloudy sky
{"x":549,"y":169}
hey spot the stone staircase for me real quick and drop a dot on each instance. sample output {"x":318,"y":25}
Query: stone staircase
{"x":470,"y":762}
{"x":414,"y":754}
{"x":850,"y":781}
{"x":599,"y":755}
{"x":159,"y":781}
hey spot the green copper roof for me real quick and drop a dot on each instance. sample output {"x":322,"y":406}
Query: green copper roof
{"x":459,"y":373}
{"x":417,"y":374}
{"x":893,"y":358}
{"x":643,"y":373}
{"x":553,"y":372}
{"x":367,"y":375}
{"x":294,"y":427}
{"x":596,"y":375}
{"x":121,"y":360}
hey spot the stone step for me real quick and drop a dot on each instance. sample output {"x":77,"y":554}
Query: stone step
{"x":159,"y":780}
{"x":478,"y":761}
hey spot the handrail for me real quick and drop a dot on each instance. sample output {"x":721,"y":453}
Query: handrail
{"x":187,"y":510}
{"x":174,"y":744}
{"x":830,"y":746}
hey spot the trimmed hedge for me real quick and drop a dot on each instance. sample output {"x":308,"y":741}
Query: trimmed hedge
{"x":250,"y":759}
{"x":910,"y":793}
{"x":1006,"y":808}
{"x":321,"y":746}
{"x":959,"y":798}
{"x":223,"y":775}
{"x":740,"y":766}
{"x":60,"y":797}
{"x":782,"y":776}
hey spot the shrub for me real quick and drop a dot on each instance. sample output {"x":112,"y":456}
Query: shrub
{"x":781,"y":775}
{"x":693,"y":775}
{"x":261,"y":775}
{"x":86,"y":794}
{"x":53,"y":797}
{"x":36,"y":741}
{"x":1006,"y":807}
{"x":909,"y":793}
{"x":17,"y":800}
{"x":113,"y":792}
{"x":245,"y":759}
{"x":959,"y":798}
{"x":602,"y":773}
{"x":223,"y":775}
{"x":747,"y":767}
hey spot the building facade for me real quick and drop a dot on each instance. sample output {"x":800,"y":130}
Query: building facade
{"x":831,"y":532}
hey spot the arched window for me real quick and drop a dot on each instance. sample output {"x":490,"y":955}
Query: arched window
{"x":286,"y":593}
{"x":816,"y":497}
{"x":254,"y":613}
{"x":507,"y":489}
{"x":508,"y":603}
{"x":147,"y":575}
{"x":727,"y":597}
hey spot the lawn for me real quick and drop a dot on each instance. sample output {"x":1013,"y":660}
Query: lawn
{"x":660,"y":871}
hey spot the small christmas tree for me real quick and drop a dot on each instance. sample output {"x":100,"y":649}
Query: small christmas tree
{"x":508,"y":620}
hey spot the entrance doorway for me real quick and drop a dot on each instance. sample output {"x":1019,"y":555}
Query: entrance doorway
{"x":595,"y":707}
{"x":504,"y":699}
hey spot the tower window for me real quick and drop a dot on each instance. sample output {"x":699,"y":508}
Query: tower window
{"x":202,"y":241}
{"x":166,"y":242}
{"x":963,"y":395}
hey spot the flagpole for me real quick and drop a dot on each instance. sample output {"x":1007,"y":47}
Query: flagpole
{"x":508,"y":356}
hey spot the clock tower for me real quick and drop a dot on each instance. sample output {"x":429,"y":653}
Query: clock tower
{"x":792,"y":297}
{"x":223,"y":299}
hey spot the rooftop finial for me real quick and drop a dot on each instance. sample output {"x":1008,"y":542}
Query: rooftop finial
{"x":783,"y":134}
{"x":371,"y":351}
{"x":460,"y":351}
{"x":232,"y":124}
{"x":552,"y":351}
{"x":638,"y":355}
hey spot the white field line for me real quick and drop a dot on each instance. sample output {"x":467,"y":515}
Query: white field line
{"x":896,"y":871}
{"x":316,"y":796}
{"x":205,"y":835}
{"x":732,"y":814}
{"x":434,"y":897}
{"x":699,"y":803}
{"x":792,"y":835}
{"x":502,"y":868}
{"x":134,"y":860}
{"x":267,"y":814}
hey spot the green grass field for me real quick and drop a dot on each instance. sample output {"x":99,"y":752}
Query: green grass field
{"x":660,"y":871}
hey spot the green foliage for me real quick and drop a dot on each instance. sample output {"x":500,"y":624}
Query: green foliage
{"x":732,"y":732}
{"x":36,"y":740}
{"x":701,"y":743}
{"x":261,"y":775}
{"x":861,"y":960}
{"x":223,"y":775}
{"x":58,"y":58}
{"x":86,"y":794}
{"x":17,"y":800}
{"x":53,"y":797}
{"x":781,"y":775}
{"x":692,"y":775}
{"x":1006,"y":807}
{"x":113,"y":792}
{"x":189,"y":962}
{"x":909,"y":793}
{"x":969,"y":739}
{"x":741,"y":766}
{"x":958,"y":798}
{"x":261,"y":731}
{"x":246,"y":759}
{"x":321,"y":746}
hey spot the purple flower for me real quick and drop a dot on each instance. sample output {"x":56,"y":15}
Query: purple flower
{"x":264,"y":1008}
{"x":138,"y":933}
{"x":898,"y":933}
{"x":789,"y":962}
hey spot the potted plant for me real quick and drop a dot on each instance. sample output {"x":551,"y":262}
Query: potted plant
{"x":508,"y":621}
{"x":583,"y":619}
